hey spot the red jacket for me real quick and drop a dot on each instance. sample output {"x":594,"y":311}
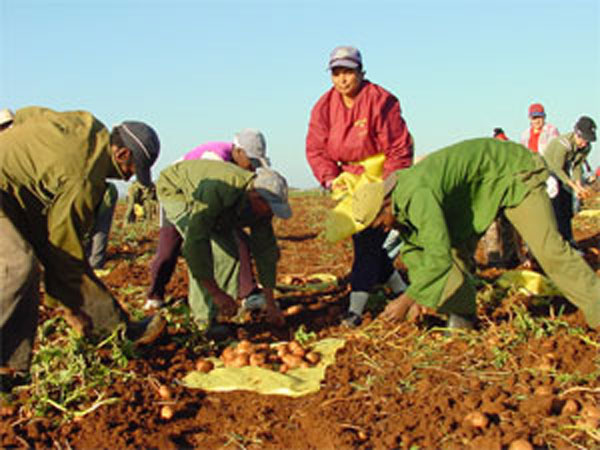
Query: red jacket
{"x":338,"y":135}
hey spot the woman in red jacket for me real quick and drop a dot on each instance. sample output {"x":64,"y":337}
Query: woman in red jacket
{"x":353,"y":120}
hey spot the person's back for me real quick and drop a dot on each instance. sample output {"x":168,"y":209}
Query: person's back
{"x":56,"y":155}
{"x":470,"y":180}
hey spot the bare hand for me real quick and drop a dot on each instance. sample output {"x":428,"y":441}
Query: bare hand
{"x":402,"y":308}
{"x":227,"y":306}
{"x":274,"y":315}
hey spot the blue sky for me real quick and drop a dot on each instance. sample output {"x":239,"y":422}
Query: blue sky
{"x":202,"y":70}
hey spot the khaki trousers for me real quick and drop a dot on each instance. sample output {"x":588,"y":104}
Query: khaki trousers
{"x":534,"y":219}
{"x":19,"y":297}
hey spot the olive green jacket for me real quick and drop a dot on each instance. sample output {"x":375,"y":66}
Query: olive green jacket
{"x":564,"y":159}
{"x":53,"y":171}
{"x":203,"y":198}
{"x":138,"y":194}
{"x":447,"y":200}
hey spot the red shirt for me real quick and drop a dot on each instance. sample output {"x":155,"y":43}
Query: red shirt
{"x":534,"y":138}
{"x":338,"y":135}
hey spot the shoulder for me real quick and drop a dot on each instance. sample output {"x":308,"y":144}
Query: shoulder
{"x":559,"y":143}
{"x":376,"y":92}
{"x":324,"y":100}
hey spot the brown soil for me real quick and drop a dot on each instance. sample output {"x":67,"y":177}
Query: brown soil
{"x":393,"y":386}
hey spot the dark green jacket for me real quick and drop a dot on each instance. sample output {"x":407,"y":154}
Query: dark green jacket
{"x":53,"y":171}
{"x":450,"y":198}
{"x":203,"y":198}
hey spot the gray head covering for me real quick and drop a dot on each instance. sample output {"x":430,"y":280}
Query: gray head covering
{"x":274,"y":189}
{"x":143,"y":142}
{"x":254,"y":144}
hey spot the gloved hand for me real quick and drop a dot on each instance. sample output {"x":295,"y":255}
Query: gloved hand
{"x":392,"y":243}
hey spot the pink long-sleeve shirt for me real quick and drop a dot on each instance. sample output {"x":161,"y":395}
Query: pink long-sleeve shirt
{"x":211,"y":150}
{"x":338,"y":135}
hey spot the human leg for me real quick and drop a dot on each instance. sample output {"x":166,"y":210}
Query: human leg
{"x":164,"y":262}
{"x":246,"y":282}
{"x":534,"y":219}
{"x":19,"y":297}
{"x":99,"y":239}
{"x":371,"y":266}
{"x":226,"y":267}
{"x":562,"y":204}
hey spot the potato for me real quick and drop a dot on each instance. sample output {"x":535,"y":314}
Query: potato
{"x":257,"y":359}
{"x":296,"y":349}
{"x":244,"y":346}
{"x":293,"y":310}
{"x":520,"y":444}
{"x":204,"y":365}
{"x":240,"y":360}
{"x":313,"y":357}
{"x":164,"y":392}
{"x":166,"y":412}
{"x":476,"y":419}
{"x":282,"y":350}
{"x":570,"y":407}
{"x":292,"y":361}
{"x":228,"y":354}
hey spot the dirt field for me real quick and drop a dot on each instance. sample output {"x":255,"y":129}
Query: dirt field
{"x":528,"y":377}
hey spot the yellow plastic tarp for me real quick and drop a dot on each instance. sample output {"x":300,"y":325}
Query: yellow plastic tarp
{"x":318,"y":282}
{"x":340,"y":222}
{"x":532,"y":283}
{"x":294,"y":383}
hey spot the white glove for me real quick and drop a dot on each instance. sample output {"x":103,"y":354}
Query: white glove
{"x":392,"y":243}
{"x":552,"y":187}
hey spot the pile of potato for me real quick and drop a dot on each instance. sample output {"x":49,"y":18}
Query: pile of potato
{"x":283,"y":357}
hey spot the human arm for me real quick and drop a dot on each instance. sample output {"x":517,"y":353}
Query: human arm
{"x":274,"y":314}
{"x":393,"y":137}
{"x":580,"y":162}
{"x":68,"y":275}
{"x":324,"y":167}
{"x":556,"y":155}
{"x":226,"y":304}
{"x":427,"y":248}
{"x":263,"y":246}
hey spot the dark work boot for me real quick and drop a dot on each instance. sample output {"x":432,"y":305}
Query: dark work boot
{"x":457,"y":322}
{"x":147,"y":330}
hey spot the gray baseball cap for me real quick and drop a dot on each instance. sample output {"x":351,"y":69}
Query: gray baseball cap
{"x":274,"y":189}
{"x":345,"y":56}
{"x":143,"y":142}
{"x":254,"y":144}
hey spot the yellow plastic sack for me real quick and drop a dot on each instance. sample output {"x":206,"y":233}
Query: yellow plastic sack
{"x":531,"y":282}
{"x":138,"y":210}
{"x":294,"y":383}
{"x":352,"y":190}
